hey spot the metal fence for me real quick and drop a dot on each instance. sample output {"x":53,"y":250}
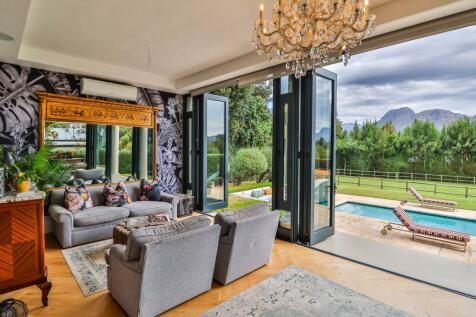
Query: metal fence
{"x":401,"y":184}
{"x":409,"y":176}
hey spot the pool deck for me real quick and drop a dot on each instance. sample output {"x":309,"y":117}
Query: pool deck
{"x":369,"y":228}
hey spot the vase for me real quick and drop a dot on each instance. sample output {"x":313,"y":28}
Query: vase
{"x":2,"y":182}
{"x":23,"y":186}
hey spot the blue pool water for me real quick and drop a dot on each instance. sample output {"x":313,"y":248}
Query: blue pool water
{"x":385,"y":213}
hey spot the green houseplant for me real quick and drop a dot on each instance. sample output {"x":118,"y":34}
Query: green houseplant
{"x":41,"y":168}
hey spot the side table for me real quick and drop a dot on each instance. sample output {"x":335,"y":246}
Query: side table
{"x":185,"y":205}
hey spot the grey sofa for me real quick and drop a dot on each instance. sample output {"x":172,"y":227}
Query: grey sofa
{"x":246,"y":241}
{"x":162,"y":267}
{"x":96,"y":223}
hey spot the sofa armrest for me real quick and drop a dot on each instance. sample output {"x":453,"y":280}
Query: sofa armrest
{"x":173,"y":200}
{"x":60,"y":214}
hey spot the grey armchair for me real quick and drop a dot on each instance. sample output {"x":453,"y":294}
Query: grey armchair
{"x":246,"y":241}
{"x":162,"y":267}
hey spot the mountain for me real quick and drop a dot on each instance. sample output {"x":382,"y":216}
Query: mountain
{"x":404,"y":117}
{"x":349,"y":126}
{"x":400,"y":118}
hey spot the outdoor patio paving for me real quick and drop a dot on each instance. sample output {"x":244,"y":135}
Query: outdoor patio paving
{"x":369,"y":228}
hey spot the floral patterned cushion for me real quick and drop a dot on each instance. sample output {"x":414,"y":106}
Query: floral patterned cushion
{"x":77,"y":198}
{"x":148,"y":191}
{"x":116,"y":197}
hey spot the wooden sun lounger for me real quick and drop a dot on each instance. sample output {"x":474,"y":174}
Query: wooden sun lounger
{"x":432,"y":202}
{"x":408,"y":225}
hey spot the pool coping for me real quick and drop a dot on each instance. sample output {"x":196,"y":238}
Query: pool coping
{"x":410,"y":210}
{"x":382,"y":202}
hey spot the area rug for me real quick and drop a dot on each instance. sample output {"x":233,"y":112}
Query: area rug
{"x":88,"y":266}
{"x":295,"y":292}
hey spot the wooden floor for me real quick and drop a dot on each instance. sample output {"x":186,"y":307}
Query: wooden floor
{"x":418,"y":299}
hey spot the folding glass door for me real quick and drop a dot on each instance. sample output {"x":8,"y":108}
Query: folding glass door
{"x":285,"y":159}
{"x":210,"y":132}
{"x":304,"y":156}
{"x":318,"y":156}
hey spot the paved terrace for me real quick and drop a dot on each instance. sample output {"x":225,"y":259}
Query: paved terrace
{"x":369,"y":228}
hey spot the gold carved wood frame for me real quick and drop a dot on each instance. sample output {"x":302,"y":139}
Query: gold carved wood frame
{"x":62,"y":108}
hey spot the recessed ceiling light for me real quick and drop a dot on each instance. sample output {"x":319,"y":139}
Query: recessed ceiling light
{"x":6,"y":37}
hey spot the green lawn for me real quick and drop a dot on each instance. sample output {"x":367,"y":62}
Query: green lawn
{"x":247,"y":186}
{"x":396,"y":190}
{"x":235,"y":202}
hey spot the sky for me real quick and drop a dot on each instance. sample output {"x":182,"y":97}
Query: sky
{"x":436,"y":72}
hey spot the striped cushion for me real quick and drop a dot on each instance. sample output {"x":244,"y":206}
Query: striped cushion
{"x":415,"y":193}
{"x":405,"y":218}
{"x":439,"y":202}
{"x":443,"y":233}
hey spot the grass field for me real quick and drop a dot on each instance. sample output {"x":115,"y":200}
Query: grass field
{"x":235,"y":202}
{"x":247,"y":186}
{"x":396,"y":190}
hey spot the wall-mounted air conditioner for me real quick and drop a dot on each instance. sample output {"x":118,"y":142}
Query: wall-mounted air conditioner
{"x":109,"y":90}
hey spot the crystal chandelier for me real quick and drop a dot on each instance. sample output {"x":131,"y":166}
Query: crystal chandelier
{"x":307,"y":34}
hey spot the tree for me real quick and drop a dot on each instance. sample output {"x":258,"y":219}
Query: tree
{"x":250,"y":119}
{"x":459,"y":141}
{"x":421,"y":142}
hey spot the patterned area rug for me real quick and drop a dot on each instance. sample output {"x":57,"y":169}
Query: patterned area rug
{"x":88,"y":266}
{"x":294,"y":292}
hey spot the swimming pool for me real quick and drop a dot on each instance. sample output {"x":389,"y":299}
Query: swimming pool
{"x":385,"y":213}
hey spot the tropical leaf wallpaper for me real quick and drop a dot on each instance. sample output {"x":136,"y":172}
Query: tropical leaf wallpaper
{"x":19,"y":116}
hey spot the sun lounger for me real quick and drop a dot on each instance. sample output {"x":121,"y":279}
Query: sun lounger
{"x":408,"y":225}
{"x":432,"y":202}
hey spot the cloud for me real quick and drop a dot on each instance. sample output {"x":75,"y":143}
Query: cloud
{"x":433,"y":72}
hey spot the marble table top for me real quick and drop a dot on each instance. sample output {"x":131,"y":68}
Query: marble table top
{"x":12,"y":197}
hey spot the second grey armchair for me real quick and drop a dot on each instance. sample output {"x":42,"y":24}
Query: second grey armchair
{"x":246,"y":241}
{"x":162,"y":267}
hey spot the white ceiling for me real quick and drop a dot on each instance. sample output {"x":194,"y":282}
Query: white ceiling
{"x":174,"y":45}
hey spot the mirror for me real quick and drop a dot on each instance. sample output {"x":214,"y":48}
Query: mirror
{"x":97,"y":137}
{"x":121,"y":152}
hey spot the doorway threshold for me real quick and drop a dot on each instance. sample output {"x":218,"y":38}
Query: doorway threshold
{"x":452,"y":275}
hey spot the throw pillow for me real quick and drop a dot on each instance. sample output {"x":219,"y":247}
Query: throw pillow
{"x":149,"y":191}
{"x":116,"y":197}
{"x":77,"y":198}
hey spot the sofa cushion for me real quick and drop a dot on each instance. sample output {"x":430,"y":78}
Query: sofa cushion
{"x":116,"y":196}
{"x":138,"y":237}
{"x":145,"y":208}
{"x":98,"y":215}
{"x":225,"y":219}
{"x":77,"y":198}
{"x":149,"y":191}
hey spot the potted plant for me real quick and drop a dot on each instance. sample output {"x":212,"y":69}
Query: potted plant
{"x":39,"y":168}
{"x":22,"y":182}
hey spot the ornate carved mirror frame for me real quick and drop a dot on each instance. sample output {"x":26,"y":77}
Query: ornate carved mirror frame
{"x":62,"y":108}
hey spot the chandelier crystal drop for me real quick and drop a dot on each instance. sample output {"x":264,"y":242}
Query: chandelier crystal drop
{"x":308,"y":34}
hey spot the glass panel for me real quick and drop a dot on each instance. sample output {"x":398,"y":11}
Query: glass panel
{"x":150,"y":153}
{"x":215,"y":151}
{"x":323,"y":154}
{"x":189,"y":147}
{"x":101,"y":146}
{"x":68,"y":141}
{"x":286,"y":86}
{"x":285,"y":151}
{"x":125,"y":152}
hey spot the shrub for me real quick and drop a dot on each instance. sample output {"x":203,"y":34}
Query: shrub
{"x":247,"y":164}
{"x":125,"y":162}
{"x":268,"y":154}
